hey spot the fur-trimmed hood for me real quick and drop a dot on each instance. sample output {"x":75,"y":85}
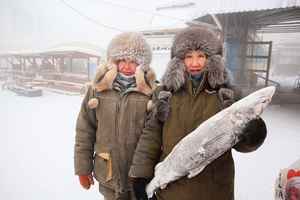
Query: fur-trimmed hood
{"x":196,"y":38}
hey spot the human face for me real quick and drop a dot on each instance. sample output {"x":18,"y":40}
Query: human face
{"x":194,"y":61}
{"x":127,"y":67}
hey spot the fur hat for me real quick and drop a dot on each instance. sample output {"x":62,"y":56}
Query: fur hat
{"x":130,"y":45}
{"x":196,"y":38}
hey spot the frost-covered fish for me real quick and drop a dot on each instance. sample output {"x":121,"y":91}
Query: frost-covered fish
{"x":210,"y":140}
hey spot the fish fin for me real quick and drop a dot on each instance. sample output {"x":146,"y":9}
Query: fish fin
{"x":150,"y":189}
{"x":163,"y":186}
{"x":195,"y":171}
{"x":150,"y":194}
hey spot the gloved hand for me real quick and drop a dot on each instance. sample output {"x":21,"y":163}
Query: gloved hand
{"x":253,"y":136}
{"x":226,"y":97}
{"x":163,"y":105}
{"x":139,"y":188}
{"x":86,"y":181}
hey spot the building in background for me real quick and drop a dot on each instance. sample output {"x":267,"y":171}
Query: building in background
{"x":257,"y":37}
{"x":160,"y":42}
{"x":66,"y":67}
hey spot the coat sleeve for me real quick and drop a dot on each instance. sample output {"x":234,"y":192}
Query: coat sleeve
{"x":86,"y":126}
{"x":148,"y":150}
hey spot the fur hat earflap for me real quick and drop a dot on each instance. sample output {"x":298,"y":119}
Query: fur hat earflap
{"x":101,"y":71}
{"x":216,"y":71}
{"x":132,"y":46}
{"x":105,"y":75}
{"x":217,"y":74}
{"x":174,"y":77}
{"x":145,"y":81}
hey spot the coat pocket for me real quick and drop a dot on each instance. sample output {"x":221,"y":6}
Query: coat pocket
{"x":103,"y":167}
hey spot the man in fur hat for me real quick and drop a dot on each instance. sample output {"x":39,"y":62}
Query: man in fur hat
{"x":112,"y":117}
{"x":195,"y":87}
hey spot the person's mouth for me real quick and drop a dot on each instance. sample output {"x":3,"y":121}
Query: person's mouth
{"x":193,"y":71}
{"x":128,"y":73}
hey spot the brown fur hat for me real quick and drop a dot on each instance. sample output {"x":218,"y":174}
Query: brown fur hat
{"x":196,"y":38}
{"x":130,"y":45}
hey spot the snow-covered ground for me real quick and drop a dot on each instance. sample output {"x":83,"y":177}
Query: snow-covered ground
{"x":36,"y":148}
{"x":37,"y":138}
{"x":256,"y":172}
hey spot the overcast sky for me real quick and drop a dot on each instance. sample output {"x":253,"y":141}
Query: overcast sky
{"x":36,"y":24}
{"x":32,"y":24}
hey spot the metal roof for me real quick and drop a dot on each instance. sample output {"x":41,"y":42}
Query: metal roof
{"x":275,"y":20}
{"x":227,"y":6}
{"x":233,"y":6}
{"x":177,"y":13}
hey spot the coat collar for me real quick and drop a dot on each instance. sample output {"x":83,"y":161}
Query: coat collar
{"x":189,"y":86}
{"x":107,"y":73}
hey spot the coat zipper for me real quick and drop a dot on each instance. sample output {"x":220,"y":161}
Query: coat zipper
{"x":117,"y":140}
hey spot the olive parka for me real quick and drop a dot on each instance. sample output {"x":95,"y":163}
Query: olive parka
{"x":188,"y":109}
{"x":110,"y":121}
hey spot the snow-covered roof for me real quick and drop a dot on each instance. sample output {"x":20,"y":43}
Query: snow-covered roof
{"x":79,"y":47}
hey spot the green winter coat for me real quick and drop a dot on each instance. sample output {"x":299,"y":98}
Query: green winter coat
{"x":107,"y":130}
{"x":188,"y":110}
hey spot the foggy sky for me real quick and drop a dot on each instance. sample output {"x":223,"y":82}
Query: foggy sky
{"x":36,"y":24}
{"x":32,"y":24}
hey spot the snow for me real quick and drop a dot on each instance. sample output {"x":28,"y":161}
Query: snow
{"x":256,"y":172}
{"x":37,"y":139}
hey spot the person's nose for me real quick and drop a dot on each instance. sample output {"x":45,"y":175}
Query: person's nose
{"x":126,"y":65}
{"x":194,"y":62}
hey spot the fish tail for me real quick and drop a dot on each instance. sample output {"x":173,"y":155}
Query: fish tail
{"x":151,"y":187}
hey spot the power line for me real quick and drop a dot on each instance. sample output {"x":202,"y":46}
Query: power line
{"x":126,"y":7}
{"x":146,"y":11}
{"x":89,"y":18}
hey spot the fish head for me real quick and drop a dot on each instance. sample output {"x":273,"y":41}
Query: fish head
{"x":253,"y":105}
{"x":262,"y":99}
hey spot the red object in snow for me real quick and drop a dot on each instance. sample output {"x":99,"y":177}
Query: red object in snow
{"x":293,"y":173}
